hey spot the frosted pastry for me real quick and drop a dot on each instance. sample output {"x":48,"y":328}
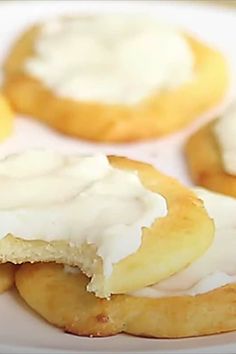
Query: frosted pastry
{"x":113,"y":78}
{"x":198,"y":300}
{"x":211,"y":152}
{"x":112,"y":218}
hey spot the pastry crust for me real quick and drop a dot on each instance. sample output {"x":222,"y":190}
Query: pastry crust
{"x":157,"y":115}
{"x":62,"y":300}
{"x":205,"y":162}
{"x":6,"y":118}
{"x":171,"y":243}
{"x":7,"y":276}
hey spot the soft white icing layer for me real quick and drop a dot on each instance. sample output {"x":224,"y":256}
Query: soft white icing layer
{"x":217,"y":267}
{"x":48,"y":196}
{"x":110,"y":58}
{"x":225,"y":132}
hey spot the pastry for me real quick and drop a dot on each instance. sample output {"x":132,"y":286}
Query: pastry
{"x":7,"y":276}
{"x":198,"y":300}
{"x":6,"y":118}
{"x":135,"y":79}
{"x":113,"y":218}
{"x":211,"y":152}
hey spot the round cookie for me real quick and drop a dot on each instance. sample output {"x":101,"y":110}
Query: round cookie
{"x":205,"y":162}
{"x":6,"y":118}
{"x":162,"y":113}
{"x":7,"y":276}
{"x":171,"y":243}
{"x":61,"y":298}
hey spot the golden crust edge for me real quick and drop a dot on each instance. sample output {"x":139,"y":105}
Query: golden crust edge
{"x":81,"y":313}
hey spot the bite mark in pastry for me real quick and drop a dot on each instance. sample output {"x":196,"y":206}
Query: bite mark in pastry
{"x":113,"y":218}
{"x":198,"y":300}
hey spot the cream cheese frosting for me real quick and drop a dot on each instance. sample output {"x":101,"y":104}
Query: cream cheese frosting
{"x":110,"y":58}
{"x":48,"y":196}
{"x":217,"y":267}
{"x":225,"y":132}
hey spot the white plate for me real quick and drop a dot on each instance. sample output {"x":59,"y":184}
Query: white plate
{"x":21,"y":331}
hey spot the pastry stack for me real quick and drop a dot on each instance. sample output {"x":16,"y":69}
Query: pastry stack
{"x":99,"y":245}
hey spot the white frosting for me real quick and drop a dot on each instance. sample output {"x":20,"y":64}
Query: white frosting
{"x":217,"y":267}
{"x":225,"y":132}
{"x":48,"y":196}
{"x":110,"y":58}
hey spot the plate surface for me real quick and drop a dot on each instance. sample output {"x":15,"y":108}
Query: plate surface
{"x":21,"y":331}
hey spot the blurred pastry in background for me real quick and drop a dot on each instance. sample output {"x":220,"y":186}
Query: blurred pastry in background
{"x":198,"y":300}
{"x":6,"y":118}
{"x":211,"y":154}
{"x":112,"y":217}
{"x":113,"y":78}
